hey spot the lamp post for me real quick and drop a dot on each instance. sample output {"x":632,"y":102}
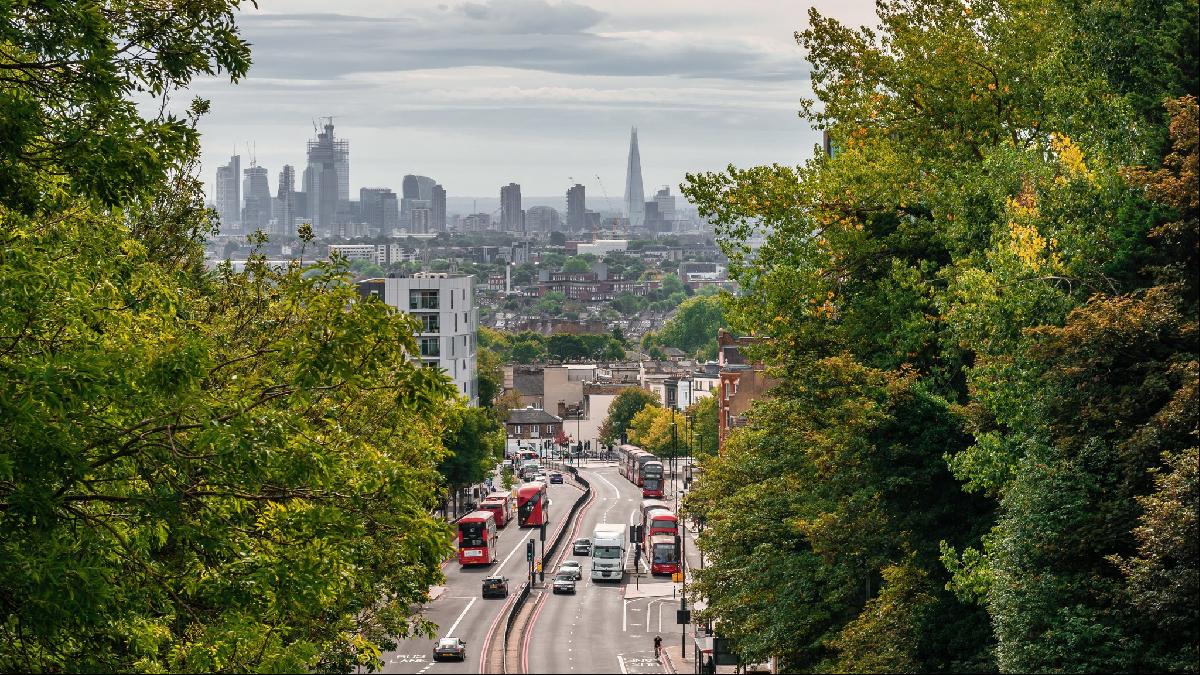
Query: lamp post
{"x":674,"y":449}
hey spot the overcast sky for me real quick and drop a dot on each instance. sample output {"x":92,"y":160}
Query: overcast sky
{"x":479,"y":94}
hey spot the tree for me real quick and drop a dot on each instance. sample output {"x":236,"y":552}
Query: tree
{"x":551,"y":303}
{"x":694,"y":327}
{"x":576,"y":265}
{"x":491,"y":375}
{"x":704,"y":426}
{"x":563,"y":347}
{"x":621,"y":411}
{"x":528,"y":350}
{"x":474,"y":439}
{"x":199,"y":470}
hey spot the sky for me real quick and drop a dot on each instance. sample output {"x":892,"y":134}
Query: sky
{"x":537,"y":92}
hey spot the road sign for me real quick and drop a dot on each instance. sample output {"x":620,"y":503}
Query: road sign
{"x":538,"y":566}
{"x":677,"y":576}
{"x":683,"y":616}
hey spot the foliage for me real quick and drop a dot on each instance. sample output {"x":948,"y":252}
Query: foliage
{"x":620,"y":413}
{"x":704,"y":437}
{"x":997,"y":266}
{"x":693,"y":328}
{"x":474,"y":440}
{"x":551,"y":303}
{"x":199,"y":470}
{"x":651,"y":430}
{"x":576,"y":265}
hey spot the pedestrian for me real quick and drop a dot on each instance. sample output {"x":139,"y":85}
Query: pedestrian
{"x":657,"y":645}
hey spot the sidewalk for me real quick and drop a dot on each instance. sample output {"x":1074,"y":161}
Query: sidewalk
{"x":683,"y":661}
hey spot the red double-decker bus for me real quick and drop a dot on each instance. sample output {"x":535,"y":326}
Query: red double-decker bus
{"x":531,"y":505}
{"x":632,"y":462}
{"x":662,"y":554}
{"x":477,"y":541}
{"x":652,"y":479}
{"x":657,"y":518}
{"x":501,"y":505}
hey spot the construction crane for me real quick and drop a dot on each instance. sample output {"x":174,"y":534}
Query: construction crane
{"x":610,"y":206}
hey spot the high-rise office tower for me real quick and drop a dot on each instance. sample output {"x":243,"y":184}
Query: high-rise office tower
{"x":511,"y":216}
{"x":439,"y":208}
{"x":421,"y":218}
{"x":378,"y":210}
{"x":256,"y":214}
{"x":576,"y":208}
{"x":666,"y":207}
{"x":414,"y":188}
{"x":285,"y":197}
{"x":328,"y":166}
{"x":229,"y":195}
{"x":635,"y":197}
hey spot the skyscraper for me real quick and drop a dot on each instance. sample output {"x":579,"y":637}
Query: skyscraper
{"x":328,"y":166}
{"x":229,"y":195}
{"x":541,"y":220}
{"x":414,"y":188}
{"x":576,"y":208}
{"x":666,"y":206}
{"x":256,"y":214}
{"x":379,"y":210}
{"x":439,"y":208}
{"x":511,"y":216}
{"x":635,"y":197}
{"x":285,"y":215}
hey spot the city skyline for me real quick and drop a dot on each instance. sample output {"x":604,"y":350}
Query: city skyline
{"x":443,"y":90}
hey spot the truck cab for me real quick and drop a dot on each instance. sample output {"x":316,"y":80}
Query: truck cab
{"x":609,"y":545}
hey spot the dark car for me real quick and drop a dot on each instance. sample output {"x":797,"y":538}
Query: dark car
{"x":556,"y":477}
{"x":495,"y":587}
{"x":564,"y":582}
{"x":450,"y":648}
{"x":582,"y":547}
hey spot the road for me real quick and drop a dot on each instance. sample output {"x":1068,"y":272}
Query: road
{"x":460,"y":611}
{"x":605,"y":627}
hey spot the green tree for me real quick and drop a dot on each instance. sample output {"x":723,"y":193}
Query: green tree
{"x":551,"y":303}
{"x":576,"y":265}
{"x":694,"y":327}
{"x":474,"y":439}
{"x":621,"y":411}
{"x":704,"y":437}
{"x":528,"y":348}
{"x":563,"y":347}
{"x":199,"y":470}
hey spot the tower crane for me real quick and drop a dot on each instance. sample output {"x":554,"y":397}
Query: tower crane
{"x":609,"y":202}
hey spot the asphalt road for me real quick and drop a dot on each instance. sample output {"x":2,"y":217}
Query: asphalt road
{"x":461,"y":611}
{"x":605,"y":627}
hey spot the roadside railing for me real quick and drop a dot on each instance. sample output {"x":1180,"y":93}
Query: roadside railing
{"x":547,"y":554}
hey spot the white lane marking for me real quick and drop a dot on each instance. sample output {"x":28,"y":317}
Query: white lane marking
{"x":621,"y":662}
{"x":616,"y":495}
{"x":660,"y":606}
{"x":624,"y":615}
{"x":460,"y":617}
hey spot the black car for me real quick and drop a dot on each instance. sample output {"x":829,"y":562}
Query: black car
{"x":556,"y":477}
{"x":582,"y":546}
{"x":495,"y":587}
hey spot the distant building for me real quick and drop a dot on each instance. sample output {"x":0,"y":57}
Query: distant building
{"x":512,"y":218}
{"x":635,"y":196}
{"x":438,"y":199}
{"x":531,"y":428}
{"x":576,"y":208}
{"x":327,"y":179}
{"x":415,"y":189}
{"x":741,"y":383}
{"x":444,"y":304}
{"x":477,"y":222}
{"x":256,"y":186}
{"x":602,"y":247}
{"x":541,"y":220}
{"x":285,"y":198}
{"x":228,"y":195}
{"x":665,"y":203}
{"x":379,"y":210}
{"x":354,"y":252}
{"x":420,"y":220}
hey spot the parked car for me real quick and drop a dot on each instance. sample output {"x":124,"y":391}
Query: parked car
{"x":582,"y":546}
{"x":556,"y":477}
{"x":564,"y":582}
{"x":450,"y":648}
{"x":572,"y":567}
{"x":495,"y":586}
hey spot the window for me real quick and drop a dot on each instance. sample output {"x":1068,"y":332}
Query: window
{"x":455,"y":323}
{"x":431,"y":323}
{"x":422,"y":298}
{"x":516,"y":430}
{"x":431,"y":346}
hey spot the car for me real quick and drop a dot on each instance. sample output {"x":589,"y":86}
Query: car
{"x":556,"y":477}
{"x":573,"y":567}
{"x":564,"y":582}
{"x":582,"y":546}
{"x":450,"y":648}
{"x":495,"y":586}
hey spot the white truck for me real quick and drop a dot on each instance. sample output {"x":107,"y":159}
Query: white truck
{"x":609,"y":544}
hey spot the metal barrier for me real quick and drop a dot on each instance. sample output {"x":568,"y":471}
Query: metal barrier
{"x":515,"y":610}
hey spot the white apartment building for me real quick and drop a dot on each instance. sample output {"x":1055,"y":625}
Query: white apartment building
{"x":354,"y":252}
{"x":445,"y":305}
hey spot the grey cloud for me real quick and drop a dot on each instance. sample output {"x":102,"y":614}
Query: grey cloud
{"x":327,"y":46}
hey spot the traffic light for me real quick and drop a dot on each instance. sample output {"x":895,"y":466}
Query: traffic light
{"x":635,"y":534}
{"x":529,"y":550}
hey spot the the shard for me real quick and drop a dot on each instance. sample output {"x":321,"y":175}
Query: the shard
{"x":635,"y":198}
